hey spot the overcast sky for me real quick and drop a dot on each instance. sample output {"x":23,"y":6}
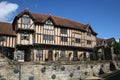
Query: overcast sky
{"x":102,"y":15}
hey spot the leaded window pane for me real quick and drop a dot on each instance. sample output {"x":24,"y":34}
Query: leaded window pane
{"x":63,"y":30}
{"x":26,"y":20}
{"x":62,"y":53}
{"x":77,"y":40}
{"x":89,"y":42}
{"x":64,"y":39}
{"x":40,"y":53}
{"x":48,"y":37}
{"x":25,"y":36}
{"x":50,"y":27}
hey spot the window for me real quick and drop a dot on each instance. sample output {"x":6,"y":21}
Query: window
{"x":64,"y":39}
{"x":63,"y":30}
{"x":40,"y":53}
{"x":25,"y":36}
{"x":89,"y":32}
{"x":62,"y":53}
{"x":48,"y":37}
{"x":89,"y":42}
{"x":20,"y":55}
{"x":3,"y":38}
{"x":50,"y":27}
{"x":77,"y":40}
{"x":25,"y":20}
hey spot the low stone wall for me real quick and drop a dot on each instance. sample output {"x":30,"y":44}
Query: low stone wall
{"x":51,"y":70}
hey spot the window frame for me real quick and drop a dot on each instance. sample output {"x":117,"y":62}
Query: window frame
{"x":89,"y":42}
{"x":63,"y":38}
{"x":39,"y":52}
{"x":48,"y":27}
{"x":62,"y":53}
{"x":25,"y":36}
{"x":89,"y":32}
{"x":3,"y":38}
{"x":63,"y":30}
{"x":25,"y":20}
{"x":77,"y":40}
{"x":48,"y":37}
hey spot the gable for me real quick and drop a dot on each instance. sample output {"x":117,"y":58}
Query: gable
{"x":57,"y":21}
{"x":89,"y":29}
{"x":49,"y":22}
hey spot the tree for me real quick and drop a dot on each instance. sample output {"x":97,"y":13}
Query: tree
{"x":116,"y":47}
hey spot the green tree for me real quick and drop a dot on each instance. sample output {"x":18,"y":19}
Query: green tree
{"x":116,"y":47}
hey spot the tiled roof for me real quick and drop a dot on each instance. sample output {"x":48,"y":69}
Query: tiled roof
{"x":58,"y":21}
{"x":109,"y":40}
{"x":6,"y":29}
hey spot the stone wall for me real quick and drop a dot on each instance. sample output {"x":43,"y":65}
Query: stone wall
{"x":50,"y":70}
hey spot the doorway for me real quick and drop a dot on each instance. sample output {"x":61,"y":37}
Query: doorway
{"x":75,"y":55}
{"x":50,"y":55}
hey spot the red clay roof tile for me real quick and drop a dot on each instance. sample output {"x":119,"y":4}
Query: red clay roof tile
{"x":6,"y":29}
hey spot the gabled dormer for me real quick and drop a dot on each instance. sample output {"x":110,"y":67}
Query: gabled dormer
{"x":90,"y":31}
{"x":24,"y":25}
{"x":24,"y":21}
{"x":48,"y":24}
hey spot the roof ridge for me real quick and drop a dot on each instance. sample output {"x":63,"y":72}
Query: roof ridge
{"x":58,"y":17}
{"x":6,"y":22}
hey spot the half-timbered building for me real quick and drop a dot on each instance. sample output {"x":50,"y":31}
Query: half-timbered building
{"x":44,"y":37}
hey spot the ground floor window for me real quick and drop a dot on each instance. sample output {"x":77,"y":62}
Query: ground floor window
{"x":62,"y":53}
{"x":39,"y":54}
{"x":20,"y":56}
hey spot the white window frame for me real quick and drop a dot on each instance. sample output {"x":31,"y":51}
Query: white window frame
{"x":48,"y":37}
{"x":49,"y":27}
{"x":25,"y":35}
{"x":25,"y":20}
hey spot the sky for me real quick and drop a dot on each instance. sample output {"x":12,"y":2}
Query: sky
{"x":102,"y":15}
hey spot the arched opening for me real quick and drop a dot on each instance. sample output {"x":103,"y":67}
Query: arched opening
{"x":70,"y":55}
{"x":80,"y":57}
{"x":56,"y":55}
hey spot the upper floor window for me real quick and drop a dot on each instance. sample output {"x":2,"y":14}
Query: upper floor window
{"x":48,"y":37}
{"x":3,"y":38}
{"x":24,"y":36}
{"x":77,"y":40}
{"x":64,"y":39}
{"x":89,"y":32}
{"x":47,"y":26}
{"x":25,"y":20}
{"x":89,"y":42}
{"x":63,"y":30}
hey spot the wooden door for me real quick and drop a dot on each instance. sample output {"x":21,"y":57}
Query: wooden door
{"x":50,"y":55}
{"x":75,"y":56}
